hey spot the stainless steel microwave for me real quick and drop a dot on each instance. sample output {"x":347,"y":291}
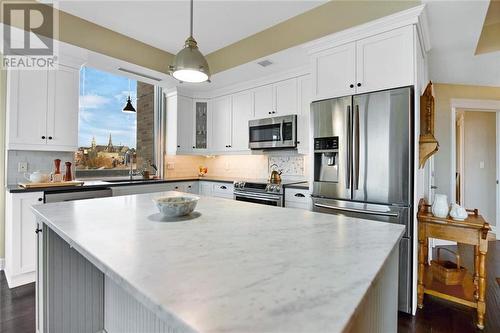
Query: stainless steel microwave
{"x":276,"y":132}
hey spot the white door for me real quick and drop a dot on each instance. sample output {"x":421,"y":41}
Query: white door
{"x":185,"y":124}
{"x":385,"y":61}
{"x":264,"y":102}
{"x":335,"y":72}
{"x":221,"y":124}
{"x":286,"y":97}
{"x":305,"y":97}
{"x":27,"y":109}
{"x":62,"y":114}
{"x":242,"y":113}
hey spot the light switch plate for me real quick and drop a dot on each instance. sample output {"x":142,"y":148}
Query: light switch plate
{"x":481,"y":165}
{"x":22,"y":166}
{"x":170,"y":165}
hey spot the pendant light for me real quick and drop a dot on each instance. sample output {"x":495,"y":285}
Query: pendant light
{"x":189,"y":64}
{"x":129,"y":108}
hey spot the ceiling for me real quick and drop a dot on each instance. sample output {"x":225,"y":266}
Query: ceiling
{"x":454,"y":29}
{"x":165,"y":24}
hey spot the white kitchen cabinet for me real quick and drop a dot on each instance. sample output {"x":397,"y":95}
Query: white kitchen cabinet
{"x":42,"y":109}
{"x":385,"y":60}
{"x":242,"y":112}
{"x":264,"y":101}
{"x":286,"y":97}
{"x":276,"y":99}
{"x":27,"y":109}
{"x":335,"y":72}
{"x":62,"y":119}
{"x":205,"y":188}
{"x":188,"y":187}
{"x":222,"y":190}
{"x":221,"y":124}
{"x":303,"y":125}
{"x":379,"y":62}
{"x":20,"y":237}
{"x":185,"y":124}
{"x":298,"y":198}
{"x":201,"y":125}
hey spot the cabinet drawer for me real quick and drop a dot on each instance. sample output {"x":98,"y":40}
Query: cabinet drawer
{"x":297,"y":196}
{"x":224,"y":190}
{"x":299,"y":205}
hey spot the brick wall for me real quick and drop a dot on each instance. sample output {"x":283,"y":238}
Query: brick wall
{"x":145,"y":122}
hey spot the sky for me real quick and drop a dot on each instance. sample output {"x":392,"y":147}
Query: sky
{"x":102,"y":98}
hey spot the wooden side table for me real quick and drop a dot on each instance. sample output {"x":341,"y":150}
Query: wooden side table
{"x":473,"y":230}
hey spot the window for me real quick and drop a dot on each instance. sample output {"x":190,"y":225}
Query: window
{"x":112,"y":141}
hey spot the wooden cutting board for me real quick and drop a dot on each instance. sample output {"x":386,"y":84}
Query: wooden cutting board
{"x":51,"y":184}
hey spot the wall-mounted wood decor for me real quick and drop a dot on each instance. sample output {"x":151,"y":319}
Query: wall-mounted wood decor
{"x":428,"y":144}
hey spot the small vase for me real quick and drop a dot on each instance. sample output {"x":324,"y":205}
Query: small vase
{"x":440,"y":206}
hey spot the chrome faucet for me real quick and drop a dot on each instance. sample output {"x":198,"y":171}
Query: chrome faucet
{"x":130,"y":157}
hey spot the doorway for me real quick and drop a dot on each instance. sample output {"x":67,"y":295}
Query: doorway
{"x":476,"y":158}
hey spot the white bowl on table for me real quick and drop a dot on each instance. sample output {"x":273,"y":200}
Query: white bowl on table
{"x":177,"y":204}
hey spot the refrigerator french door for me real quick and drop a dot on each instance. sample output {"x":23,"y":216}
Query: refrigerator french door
{"x":363,"y":164}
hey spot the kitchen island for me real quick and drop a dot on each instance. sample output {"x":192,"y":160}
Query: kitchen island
{"x":115,"y":265}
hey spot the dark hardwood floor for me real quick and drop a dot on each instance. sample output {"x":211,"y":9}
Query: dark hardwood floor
{"x":17,"y":306}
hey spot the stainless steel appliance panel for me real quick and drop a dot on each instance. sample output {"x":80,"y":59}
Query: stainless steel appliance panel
{"x":363,"y":210}
{"x":332,"y":118}
{"x":383,"y":213}
{"x":276,"y":132}
{"x":259,"y":198}
{"x":382,"y":147}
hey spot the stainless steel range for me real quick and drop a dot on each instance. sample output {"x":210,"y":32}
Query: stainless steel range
{"x":260,"y":192}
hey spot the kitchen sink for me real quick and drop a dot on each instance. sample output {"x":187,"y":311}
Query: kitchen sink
{"x":132,"y":180}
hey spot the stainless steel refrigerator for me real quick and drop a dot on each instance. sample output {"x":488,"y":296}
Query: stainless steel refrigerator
{"x":363,"y":164}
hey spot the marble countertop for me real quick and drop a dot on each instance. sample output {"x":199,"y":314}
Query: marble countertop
{"x":232,"y":266}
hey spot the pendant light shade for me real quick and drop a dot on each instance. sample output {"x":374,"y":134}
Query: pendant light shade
{"x":129,"y":108}
{"x":189,"y":64}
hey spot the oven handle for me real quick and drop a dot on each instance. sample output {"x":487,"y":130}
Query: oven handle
{"x":258,"y":196}
{"x":355,"y":210}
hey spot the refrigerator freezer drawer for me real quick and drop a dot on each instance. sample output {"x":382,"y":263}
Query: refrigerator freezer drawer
{"x":375,"y":212}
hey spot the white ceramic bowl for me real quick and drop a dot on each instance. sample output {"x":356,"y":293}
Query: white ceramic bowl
{"x":176,"y":205}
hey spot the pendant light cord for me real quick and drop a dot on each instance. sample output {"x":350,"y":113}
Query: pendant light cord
{"x":191,"y":24}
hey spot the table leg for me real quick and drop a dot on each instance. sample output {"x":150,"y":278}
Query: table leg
{"x":422,"y":248}
{"x":476,"y":272}
{"x":481,"y":305}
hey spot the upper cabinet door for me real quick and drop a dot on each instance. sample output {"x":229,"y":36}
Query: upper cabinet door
{"x":27,"y":109}
{"x":185,"y":124}
{"x":264,"y":102}
{"x":62,"y":113}
{"x":221,"y":124}
{"x":286,"y":97}
{"x":201,"y":124}
{"x":335,"y":72}
{"x":385,"y":61}
{"x":305,"y":97}
{"x":242,"y":113}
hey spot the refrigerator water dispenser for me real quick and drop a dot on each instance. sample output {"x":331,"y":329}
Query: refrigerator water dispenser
{"x":326,"y":152}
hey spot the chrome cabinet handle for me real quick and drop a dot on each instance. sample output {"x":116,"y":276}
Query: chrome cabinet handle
{"x":299,"y":195}
{"x":355,"y":210}
{"x":356,"y":140}
{"x":349,"y":150}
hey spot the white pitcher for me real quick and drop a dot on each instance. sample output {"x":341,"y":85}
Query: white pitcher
{"x":440,"y":206}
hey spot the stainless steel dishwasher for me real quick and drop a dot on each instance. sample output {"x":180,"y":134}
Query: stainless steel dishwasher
{"x":80,"y":194}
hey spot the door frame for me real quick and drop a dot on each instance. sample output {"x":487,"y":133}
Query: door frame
{"x":480,"y":105}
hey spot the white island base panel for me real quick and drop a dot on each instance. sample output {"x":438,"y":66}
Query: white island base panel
{"x":75,"y":296}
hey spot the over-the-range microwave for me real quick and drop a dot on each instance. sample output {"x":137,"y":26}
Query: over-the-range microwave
{"x":275,"y":132}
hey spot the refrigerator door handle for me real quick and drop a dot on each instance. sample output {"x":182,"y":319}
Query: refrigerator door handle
{"x":355,"y":210}
{"x":349,"y":150}
{"x":356,"y":143}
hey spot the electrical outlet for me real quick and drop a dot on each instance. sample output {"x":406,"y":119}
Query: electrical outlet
{"x":228,"y":166}
{"x":22,"y":166}
{"x":170,"y":165}
{"x":481,"y":165}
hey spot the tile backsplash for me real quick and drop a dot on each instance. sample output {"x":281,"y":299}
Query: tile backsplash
{"x":289,"y":165}
{"x":37,"y":161}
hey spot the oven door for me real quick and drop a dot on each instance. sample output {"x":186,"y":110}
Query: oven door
{"x":259,"y":198}
{"x":277,"y":132}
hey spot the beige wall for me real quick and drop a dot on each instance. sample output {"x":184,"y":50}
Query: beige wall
{"x":443,"y":94}
{"x":480,"y":148}
{"x":3,"y":79}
